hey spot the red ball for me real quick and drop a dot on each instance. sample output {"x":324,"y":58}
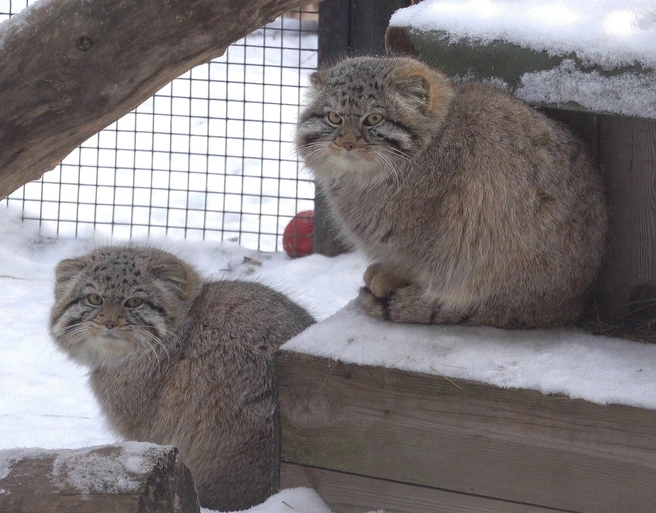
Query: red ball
{"x":297,"y":237}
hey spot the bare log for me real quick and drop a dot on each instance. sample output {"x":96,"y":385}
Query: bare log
{"x":131,"y":478}
{"x":69,"y":68}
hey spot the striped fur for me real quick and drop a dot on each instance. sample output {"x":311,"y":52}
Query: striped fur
{"x":472,"y":207}
{"x":176,"y":362}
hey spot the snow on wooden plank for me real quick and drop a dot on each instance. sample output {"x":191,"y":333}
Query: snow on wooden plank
{"x":568,"y":54}
{"x":130,"y":477}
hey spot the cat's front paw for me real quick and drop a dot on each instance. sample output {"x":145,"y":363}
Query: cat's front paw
{"x":381,"y":283}
{"x":404,"y":305}
{"x":374,"y":306}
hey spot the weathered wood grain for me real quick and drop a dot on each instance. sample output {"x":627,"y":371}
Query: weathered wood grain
{"x":70,"y":68}
{"x":134,"y":478}
{"x":512,"y":445}
{"x":347,"y":493}
{"x":628,"y":159}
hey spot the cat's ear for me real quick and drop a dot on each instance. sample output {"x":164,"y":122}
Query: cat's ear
{"x":428,"y":90}
{"x":318,"y":79}
{"x":178,"y":277}
{"x":65,"y":272}
{"x":416,"y":88}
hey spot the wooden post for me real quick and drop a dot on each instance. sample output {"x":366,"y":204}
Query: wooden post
{"x":347,"y":28}
{"x":131,"y":477}
{"x":70,"y":68}
{"x":627,"y":156}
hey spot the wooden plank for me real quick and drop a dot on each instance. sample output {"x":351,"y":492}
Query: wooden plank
{"x":348,"y":493}
{"x":628,"y":158}
{"x":513,"y":445}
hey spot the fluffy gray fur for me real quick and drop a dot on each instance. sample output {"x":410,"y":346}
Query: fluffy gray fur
{"x":472,"y":207}
{"x":176,"y":362}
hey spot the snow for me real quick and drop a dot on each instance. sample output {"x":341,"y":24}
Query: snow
{"x":301,"y":499}
{"x":21,"y":20}
{"x":629,"y":94}
{"x":561,"y":361}
{"x":90,"y":471}
{"x":608,"y":35}
{"x":47,"y":403}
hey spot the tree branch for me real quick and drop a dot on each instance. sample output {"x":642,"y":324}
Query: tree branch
{"x":69,"y":68}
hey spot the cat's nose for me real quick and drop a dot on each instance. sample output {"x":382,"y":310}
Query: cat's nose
{"x":348,"y":146}
{"x":109,"y":324}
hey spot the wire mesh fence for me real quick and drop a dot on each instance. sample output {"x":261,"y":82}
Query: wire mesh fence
{"x":209,"y":156}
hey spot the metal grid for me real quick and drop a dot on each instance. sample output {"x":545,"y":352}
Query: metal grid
{"x":210,"y":156}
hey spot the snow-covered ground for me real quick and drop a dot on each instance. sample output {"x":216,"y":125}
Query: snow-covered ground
{"x":46,"y":401}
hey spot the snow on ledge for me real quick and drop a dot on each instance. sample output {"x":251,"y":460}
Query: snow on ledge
{"x":608,"y":33}
{"x":628,"y":94}
{"x":565,"y":361}
{"x":607,"y":48}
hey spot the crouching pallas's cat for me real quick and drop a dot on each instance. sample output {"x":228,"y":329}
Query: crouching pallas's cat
{"x":176,"y":362}
{"x":472,"y":207}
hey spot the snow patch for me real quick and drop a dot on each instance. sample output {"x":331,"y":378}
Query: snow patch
{"x":608,"y":33}
{"x":560,"y":361}
{"x":21,"y":20}
{"x":629,"y":94}
{"x":90,"y":472}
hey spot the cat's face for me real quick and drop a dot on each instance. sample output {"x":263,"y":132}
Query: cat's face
{"x":369,"y":117}
{"x":115,"y":302}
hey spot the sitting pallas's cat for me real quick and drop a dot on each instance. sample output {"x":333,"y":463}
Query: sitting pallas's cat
{"x":472,"y":207}
{"x":176,"y":362}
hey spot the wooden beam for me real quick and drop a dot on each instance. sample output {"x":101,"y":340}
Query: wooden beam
{"x":628,"y":160}
{"x":69,"y":68}
{"x":130,"y":478}
{"x":464,"y":437}
{"x":346,"y":28}
{"x":348,"y":493}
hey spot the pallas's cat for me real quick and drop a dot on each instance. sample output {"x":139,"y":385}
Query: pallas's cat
{"x":177,"y":362}
{"x":472,"y":207}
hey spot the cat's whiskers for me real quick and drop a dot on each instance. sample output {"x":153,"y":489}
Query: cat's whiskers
{"x":390,"y":166}
{"x":141,"y":337}
{"x":159,"y":342}
{"x":315,"y":149}
{"x":144,"y":341}
{"x":75,"y":329}
{"x":398,"y":153}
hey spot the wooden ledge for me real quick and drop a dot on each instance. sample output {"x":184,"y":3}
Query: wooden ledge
{"x":570,"y":83}
{"x":373,"y":437}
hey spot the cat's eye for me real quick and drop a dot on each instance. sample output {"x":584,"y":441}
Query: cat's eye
{"x":334,"y":119}
{"x":95,"y":299}
{"x":373,"y":119}
{"x":133,"y":302}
